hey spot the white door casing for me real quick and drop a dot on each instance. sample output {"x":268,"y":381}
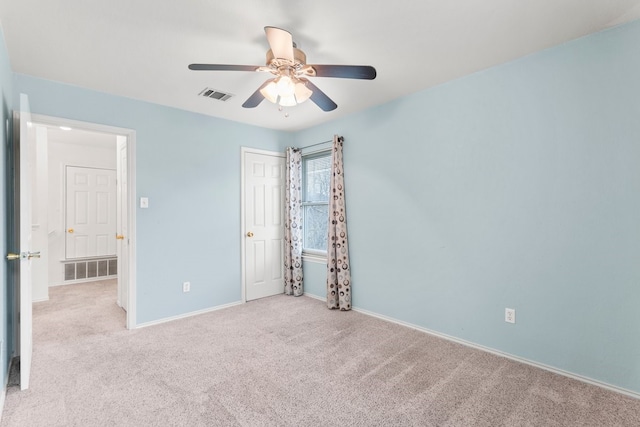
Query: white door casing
{"x":90,"y":212}
{"x":263,"y":223}
{"x":122,"y":226}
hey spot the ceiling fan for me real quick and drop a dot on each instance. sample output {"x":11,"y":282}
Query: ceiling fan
{"x":288,"y":64}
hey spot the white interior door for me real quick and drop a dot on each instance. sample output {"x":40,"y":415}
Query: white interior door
{"x":25,"y":142}
{"x":263,"y":224}
{"x":40,"y":213}
{"x":90,"y":212}
{"x":122,"y":225}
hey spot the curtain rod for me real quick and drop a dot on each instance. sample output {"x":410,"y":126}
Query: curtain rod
{"x":320,"y":143}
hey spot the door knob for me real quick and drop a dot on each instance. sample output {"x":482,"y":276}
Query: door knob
{"x":250,"y":234}
{"x":119,"y":237}
{"x":70,"y":230}
{"x":27,"y":255}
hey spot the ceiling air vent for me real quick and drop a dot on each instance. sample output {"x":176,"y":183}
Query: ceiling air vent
{"x":214,"y":94}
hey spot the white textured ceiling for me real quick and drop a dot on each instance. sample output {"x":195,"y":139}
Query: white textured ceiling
{"x":141,"y":48}
{"x":80,"y":137}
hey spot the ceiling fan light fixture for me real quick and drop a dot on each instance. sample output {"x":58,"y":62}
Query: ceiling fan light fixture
{"x":287,"y":100}
{"x":285,"y":86}
{"x":270,"y":92}
{"x":302,"y":92}
{"x":286,"y":91}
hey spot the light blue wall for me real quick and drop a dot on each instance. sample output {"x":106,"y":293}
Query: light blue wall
{"x":6,"y":295}
{"x":514,"y":187}
{"x":188,"y":165}
{"x":315,"y":278}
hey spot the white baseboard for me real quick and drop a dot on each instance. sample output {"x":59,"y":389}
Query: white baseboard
{"x":499,"y":353}
{"x":185,"y":315}
{"x":307,"y":294}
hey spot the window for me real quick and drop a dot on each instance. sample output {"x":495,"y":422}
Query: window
{"x":316,"y":175}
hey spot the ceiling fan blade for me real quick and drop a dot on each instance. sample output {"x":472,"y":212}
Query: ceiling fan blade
{"x":280,"y":42}
{"x":319,"y":97}
{"x":365,"y":72}
{"x":223,"y":67}
{"x":257,"y":97}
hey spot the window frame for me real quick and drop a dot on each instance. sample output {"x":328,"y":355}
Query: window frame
{"x":314,"y":255}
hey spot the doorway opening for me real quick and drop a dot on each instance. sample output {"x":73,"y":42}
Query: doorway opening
{"x":84,"y":208}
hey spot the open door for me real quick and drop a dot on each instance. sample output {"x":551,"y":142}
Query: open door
{"x":24,"y":137}
{"x":122,"y":224}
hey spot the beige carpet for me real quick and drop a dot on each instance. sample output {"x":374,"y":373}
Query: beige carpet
{"x":280,"y":361}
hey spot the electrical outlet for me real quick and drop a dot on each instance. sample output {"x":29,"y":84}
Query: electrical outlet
{"x":510,"y":315}
{"x":186,"y":286}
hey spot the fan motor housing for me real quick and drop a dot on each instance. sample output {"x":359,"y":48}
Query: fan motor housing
{"x":300,"y":59}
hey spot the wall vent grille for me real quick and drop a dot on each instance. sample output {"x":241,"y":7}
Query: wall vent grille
{"x":90,"y":269}
{"x":207,"y":92}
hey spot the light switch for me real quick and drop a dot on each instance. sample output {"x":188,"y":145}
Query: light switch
{"x":144,"y":202}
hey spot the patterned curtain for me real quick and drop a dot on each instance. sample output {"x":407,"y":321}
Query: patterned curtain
{"x":338,"y":272}
{"x":293,"y":224}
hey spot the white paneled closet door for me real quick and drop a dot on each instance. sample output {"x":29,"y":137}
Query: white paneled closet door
{"x":90,"y":212}
{"x":263,"y":224}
